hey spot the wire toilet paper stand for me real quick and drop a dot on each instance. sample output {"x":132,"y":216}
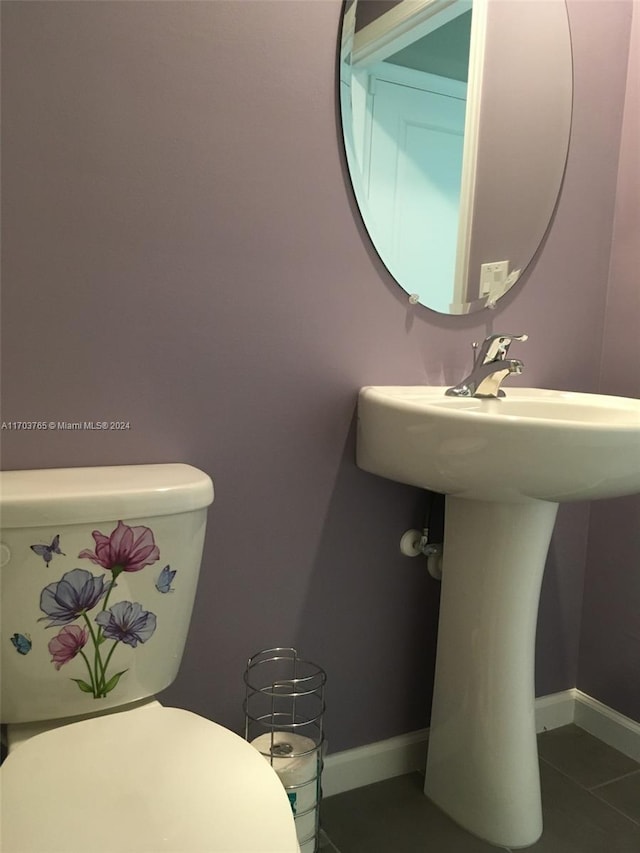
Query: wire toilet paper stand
{"x":284,"y":709}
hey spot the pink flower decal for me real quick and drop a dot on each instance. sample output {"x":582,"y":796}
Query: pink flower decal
{"x":66,"y":645}
{"x":127,"y":549}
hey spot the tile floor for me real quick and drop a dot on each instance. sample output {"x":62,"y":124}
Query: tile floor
{"x":590,"y":804}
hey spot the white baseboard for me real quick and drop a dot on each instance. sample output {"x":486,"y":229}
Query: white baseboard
{"x":385,"y":759}
{"x":555,"y":710}
{"x":607,"y":725}
{"x":374,"y":762}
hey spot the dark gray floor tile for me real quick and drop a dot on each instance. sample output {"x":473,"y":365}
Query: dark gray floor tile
{"x":575,"y":821}
{"x":624,"y":795}
{"x":325,"y":845}
{"x":582,"y":757}
{"x":394,"y":816}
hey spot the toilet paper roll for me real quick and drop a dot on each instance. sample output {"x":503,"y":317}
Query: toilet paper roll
{"x":295,"y":759}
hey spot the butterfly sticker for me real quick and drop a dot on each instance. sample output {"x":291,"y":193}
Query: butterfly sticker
{"x":163,"y":584}
{"x":21,"y":643}
{"x":47,"y":551}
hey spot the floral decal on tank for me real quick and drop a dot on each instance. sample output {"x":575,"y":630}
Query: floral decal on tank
{"x":91,"y":625}
{"x":165,"y":579}
{"x":47,"y":552}
{"x":21,"y":643}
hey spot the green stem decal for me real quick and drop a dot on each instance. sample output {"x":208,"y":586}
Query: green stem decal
{"x":115,"y":572}
{"x":93,"y":684}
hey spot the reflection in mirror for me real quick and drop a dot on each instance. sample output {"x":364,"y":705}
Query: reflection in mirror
{"x":456,"y":138}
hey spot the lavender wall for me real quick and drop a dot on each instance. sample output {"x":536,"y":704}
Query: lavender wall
{"x":610,"y":639}
{"x":181,"y":250}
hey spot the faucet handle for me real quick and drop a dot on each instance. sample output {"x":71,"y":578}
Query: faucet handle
{"x":497,"y":346}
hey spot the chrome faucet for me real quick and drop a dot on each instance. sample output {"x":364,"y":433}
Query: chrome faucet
{"x":490,"y":368}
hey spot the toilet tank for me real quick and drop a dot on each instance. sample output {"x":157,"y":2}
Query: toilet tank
{"x":98,"y":576}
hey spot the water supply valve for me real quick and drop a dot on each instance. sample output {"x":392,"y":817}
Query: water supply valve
{"x":415,"y":542}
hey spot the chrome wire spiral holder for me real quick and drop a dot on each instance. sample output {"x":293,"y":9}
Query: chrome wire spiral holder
{"x":284,"y":707}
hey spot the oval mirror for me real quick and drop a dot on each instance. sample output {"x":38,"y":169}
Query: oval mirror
{"x":456,"y":119}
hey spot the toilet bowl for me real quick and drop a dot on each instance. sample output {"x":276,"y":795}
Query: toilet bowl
{"x":99,"y":570}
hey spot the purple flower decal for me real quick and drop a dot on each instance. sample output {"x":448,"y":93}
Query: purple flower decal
{"x":66,"y":645}
{"x":75,"y":593}
{"x":127,"y":549}
{"x":127,"y":622}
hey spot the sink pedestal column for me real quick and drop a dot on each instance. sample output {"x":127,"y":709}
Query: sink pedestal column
{"x":482,"y":765}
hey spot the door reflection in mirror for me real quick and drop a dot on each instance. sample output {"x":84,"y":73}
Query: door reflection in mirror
{"x":432,"y":139}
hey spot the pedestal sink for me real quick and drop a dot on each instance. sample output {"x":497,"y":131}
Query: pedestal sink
{"x":504,"y":465}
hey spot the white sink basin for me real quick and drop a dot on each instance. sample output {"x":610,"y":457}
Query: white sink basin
{"x":504,"y":464}
{"x":532,"y":443}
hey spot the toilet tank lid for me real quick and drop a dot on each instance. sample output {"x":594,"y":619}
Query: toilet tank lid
{"x":85,"y":495}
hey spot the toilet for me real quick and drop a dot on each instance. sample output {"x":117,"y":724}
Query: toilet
{"x":98,"y":577}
